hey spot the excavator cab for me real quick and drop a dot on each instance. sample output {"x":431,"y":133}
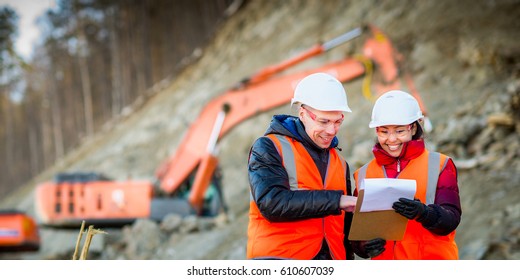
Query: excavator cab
{"x":73,"y":197}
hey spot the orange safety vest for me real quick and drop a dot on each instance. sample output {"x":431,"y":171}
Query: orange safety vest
{"x":418,"y":243}
{"x":299,"y":239}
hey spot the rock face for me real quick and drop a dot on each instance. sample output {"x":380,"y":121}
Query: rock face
{"x":465,"y":60}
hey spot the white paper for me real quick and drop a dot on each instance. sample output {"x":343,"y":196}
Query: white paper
{"x":381,"y":193}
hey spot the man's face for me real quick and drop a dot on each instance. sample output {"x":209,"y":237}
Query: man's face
{"x":321,"y":126}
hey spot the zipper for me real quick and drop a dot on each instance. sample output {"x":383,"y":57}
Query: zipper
{"x":398,"y":166}
{"x":327,"y":240}
{"x":324,"y":235}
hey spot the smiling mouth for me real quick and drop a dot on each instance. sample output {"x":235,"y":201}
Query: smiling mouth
{"x":393,"y":147}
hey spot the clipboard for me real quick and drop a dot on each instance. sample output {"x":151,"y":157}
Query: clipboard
{"x":386,"y":224}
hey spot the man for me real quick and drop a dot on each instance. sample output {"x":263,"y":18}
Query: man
{"x":300,"y":185}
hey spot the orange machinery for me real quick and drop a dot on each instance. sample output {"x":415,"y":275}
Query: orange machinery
{"x":18,"y":232}
{"x":189,"y":181}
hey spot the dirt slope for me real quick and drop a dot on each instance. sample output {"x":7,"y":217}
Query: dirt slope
{"x":465,"y":59}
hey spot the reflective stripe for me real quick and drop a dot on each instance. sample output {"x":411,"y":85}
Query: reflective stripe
{"x":384,"y":172}
{"x":343,"y":163}
{"x":288,"y":161}
{"x":362,"y":173}
{"x":433,"y":176}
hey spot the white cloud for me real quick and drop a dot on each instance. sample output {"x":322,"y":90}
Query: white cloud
{"x":28,"y":32}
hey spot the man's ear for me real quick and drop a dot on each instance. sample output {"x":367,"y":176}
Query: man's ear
{"x":300,"y":113}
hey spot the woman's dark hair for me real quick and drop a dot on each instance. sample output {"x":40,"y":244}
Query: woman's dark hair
{"x":419,"y":133}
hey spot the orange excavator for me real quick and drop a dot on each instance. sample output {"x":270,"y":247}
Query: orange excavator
{"x":189,"y":182}
{"x":18,"y":232}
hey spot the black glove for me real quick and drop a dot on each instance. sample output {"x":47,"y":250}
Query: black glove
{"x":411,"y":209}
{"x":375,"y":247}
{"x":368,"y":249}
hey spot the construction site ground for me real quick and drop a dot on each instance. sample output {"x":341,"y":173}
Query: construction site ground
{"x":464,"y":57}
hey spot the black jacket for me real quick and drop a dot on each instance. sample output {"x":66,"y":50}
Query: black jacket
{"x":269,"y":181}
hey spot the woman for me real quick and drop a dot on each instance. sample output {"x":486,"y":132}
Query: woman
{"x":400,"y":152}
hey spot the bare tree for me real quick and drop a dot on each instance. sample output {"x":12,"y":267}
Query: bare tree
{"x":96,"y":58}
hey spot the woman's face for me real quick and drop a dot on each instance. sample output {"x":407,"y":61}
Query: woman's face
{"x":392,"y":137}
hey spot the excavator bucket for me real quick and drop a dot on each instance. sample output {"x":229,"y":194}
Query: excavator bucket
{"x":379,"y":48}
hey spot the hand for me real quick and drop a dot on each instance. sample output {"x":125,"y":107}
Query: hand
{"x":375,"y":247}
{"x":411,"y":209}
{"x":347,"y":203}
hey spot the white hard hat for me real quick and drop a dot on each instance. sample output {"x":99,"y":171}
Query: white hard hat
{"x":322,"y":92}
{"x":395,"y":108}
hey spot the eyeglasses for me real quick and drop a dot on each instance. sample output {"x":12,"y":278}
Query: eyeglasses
{"x":324,"y":123}
{"x":400,"y":132}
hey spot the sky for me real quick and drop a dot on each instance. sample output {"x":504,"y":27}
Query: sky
{"x":28,"y":32}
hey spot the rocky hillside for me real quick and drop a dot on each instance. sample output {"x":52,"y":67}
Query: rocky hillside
{"x":465,"y":60}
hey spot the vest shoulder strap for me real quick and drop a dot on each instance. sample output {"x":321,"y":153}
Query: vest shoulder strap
{"x":288,"y":158}
{"x":436,"y":164}
{"x":361,"y":174}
